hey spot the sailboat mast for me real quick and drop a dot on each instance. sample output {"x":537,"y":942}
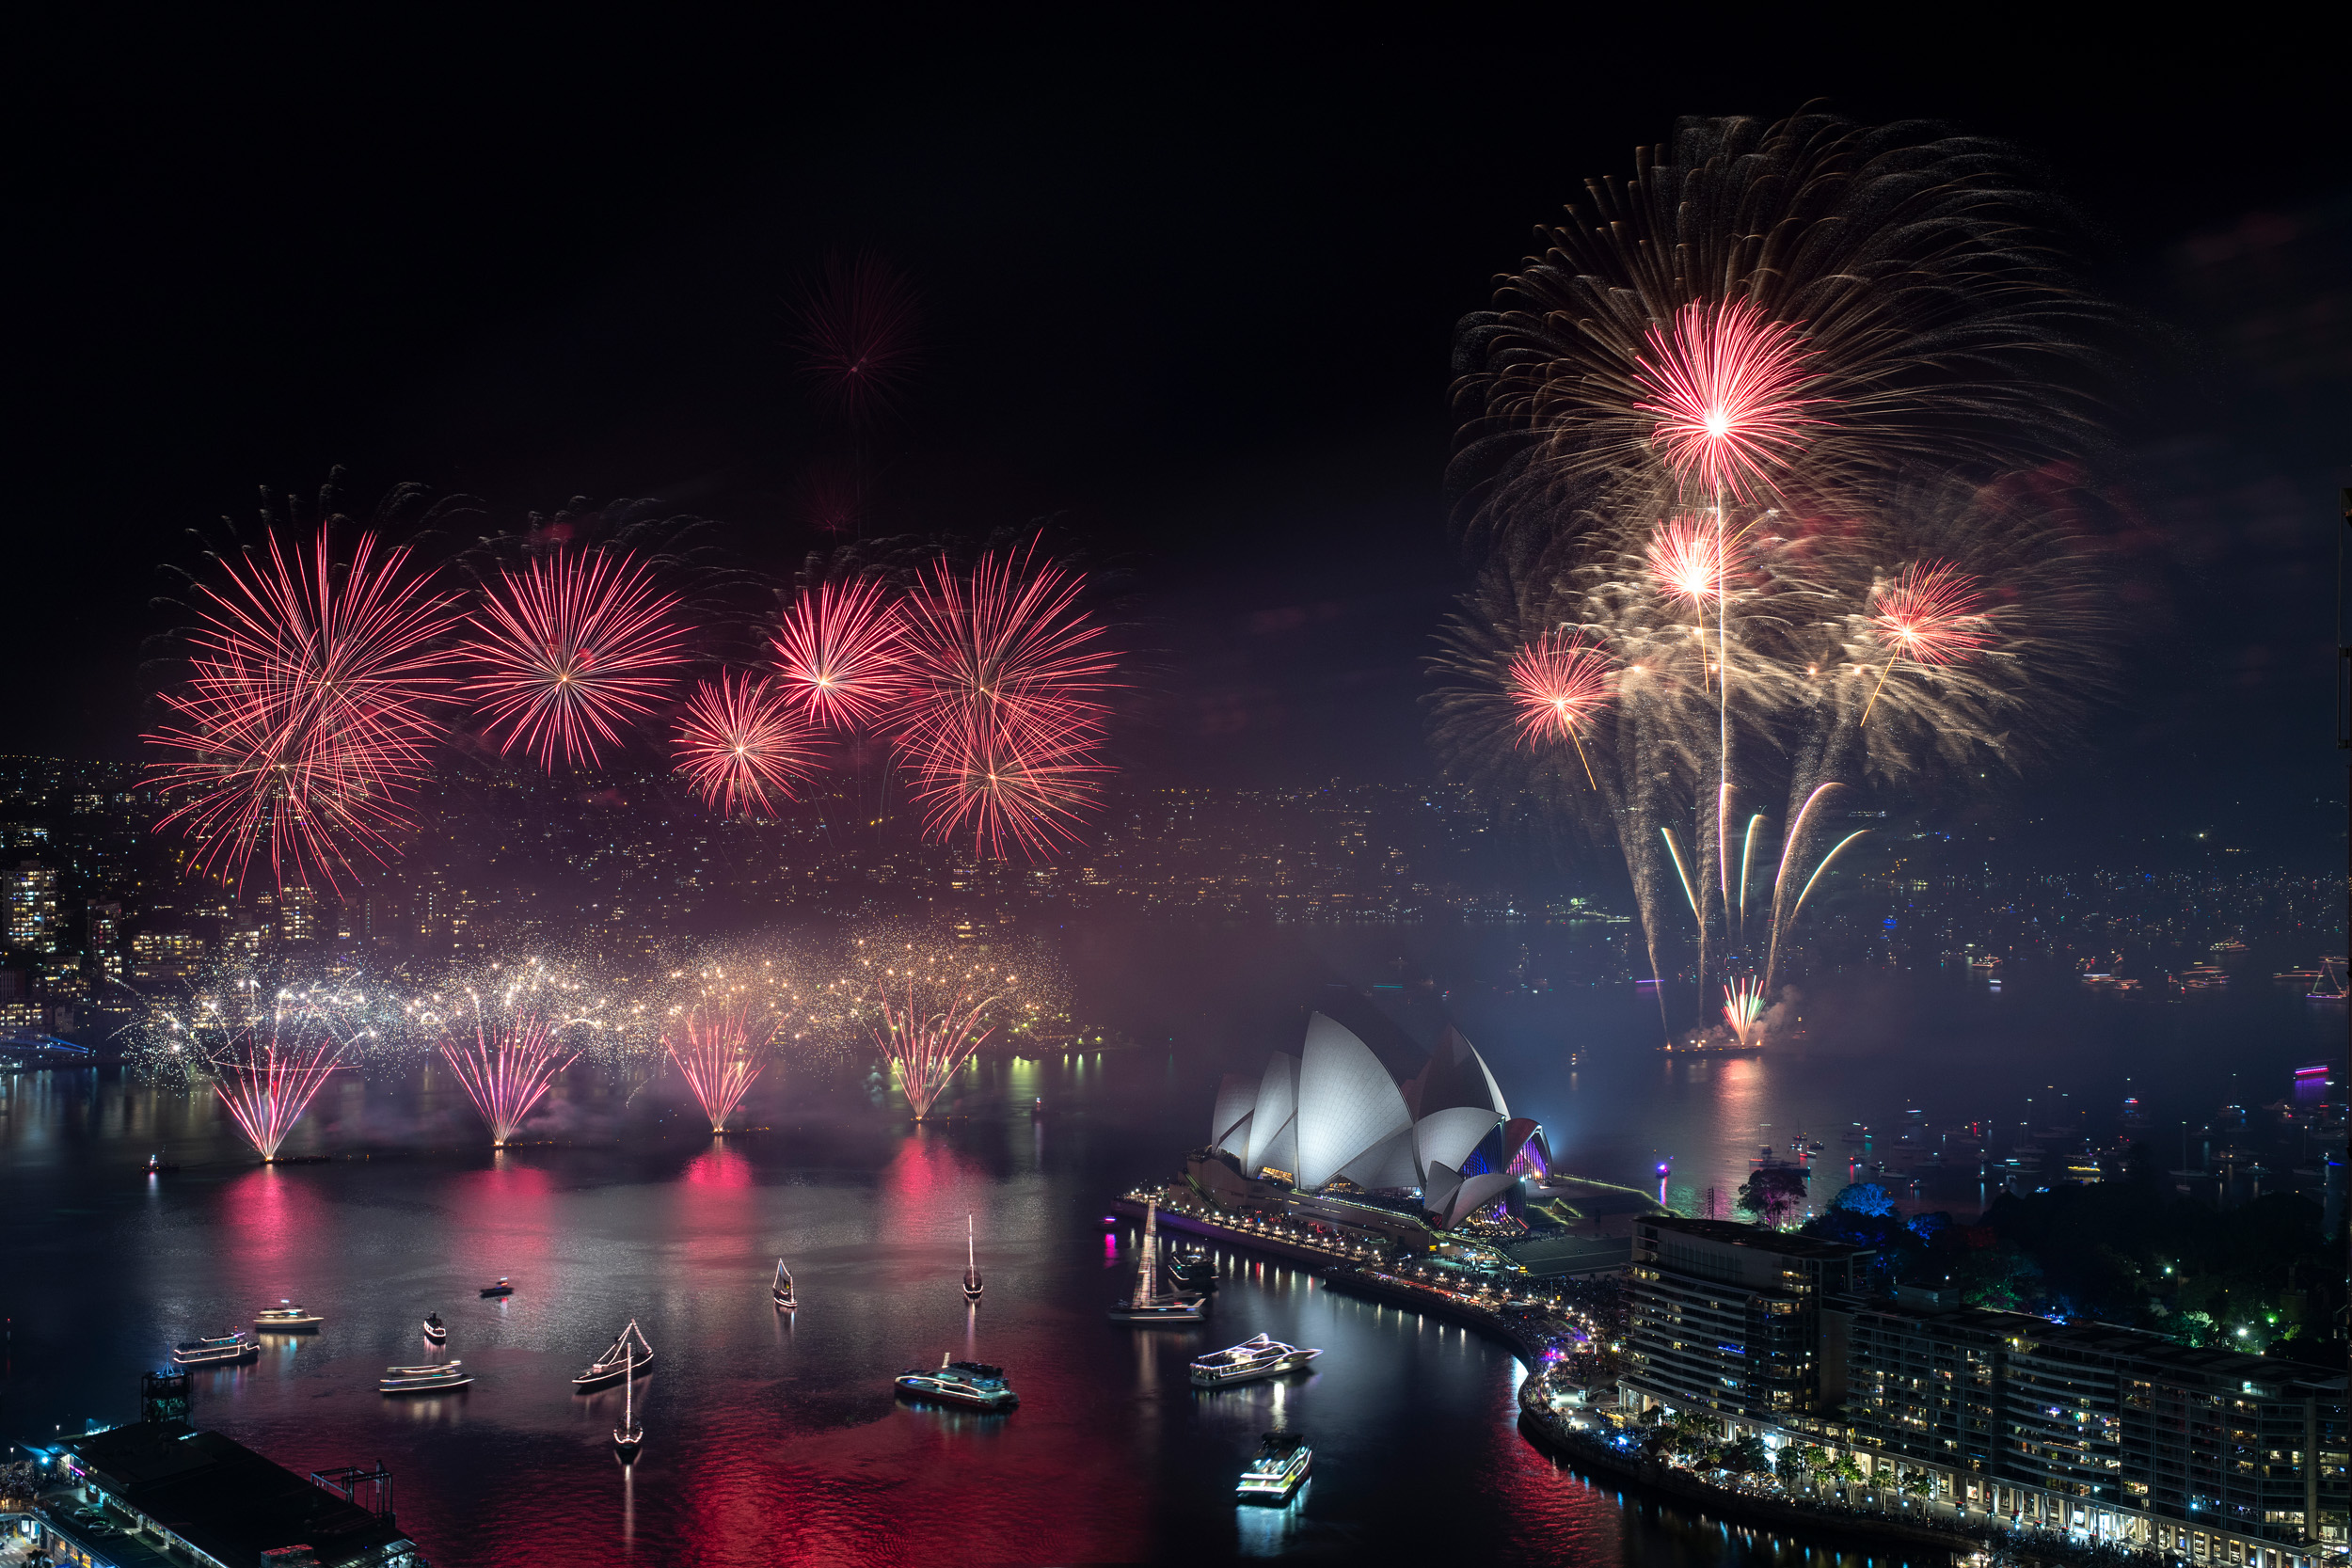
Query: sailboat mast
{"x":971,"y":1261}
{"x":1147,"y":1266}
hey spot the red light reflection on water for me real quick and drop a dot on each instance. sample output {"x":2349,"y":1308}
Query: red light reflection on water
{"x":720,"y":1167}
{"x":272,"y":1220}
{"x":512,"y":1208}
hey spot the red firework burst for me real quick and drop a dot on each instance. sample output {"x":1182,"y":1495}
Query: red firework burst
{"x":741,"y":741}
{"x":722,"y":1055}
{"x":506,"y":1069}
{"x":1004,"y":719}
{"x":1723,"y":382}
{"x":312,"y":707}
{"x":839,"y":653}
{"x":1558,"y":684}
{"x":858,"y":335}
{"x":570,"y":648}
{"x":1687,"y":559}
{"x":1930,"y":614}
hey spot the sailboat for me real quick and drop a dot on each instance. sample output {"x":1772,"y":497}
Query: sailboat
{"x":630,"y":1435}
{"x":782,"y":1289}
{"x":622,"y":1360}
{"x":971,"y":1264}
{"x":1148,"y":1304}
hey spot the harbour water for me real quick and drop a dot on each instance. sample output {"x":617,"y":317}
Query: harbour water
{"x":777,"y":1438}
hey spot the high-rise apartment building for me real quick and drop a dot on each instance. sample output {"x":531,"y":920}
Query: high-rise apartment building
{"x":2203,"y":1441}
{"x":102,"y":940}
{"x":32,"y":889}
{"x":161,"y":956}
{"x":2208,"y":1455}
{"x":1727,"y":1317}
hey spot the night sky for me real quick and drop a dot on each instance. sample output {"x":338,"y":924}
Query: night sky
{"x":1189,"y":293}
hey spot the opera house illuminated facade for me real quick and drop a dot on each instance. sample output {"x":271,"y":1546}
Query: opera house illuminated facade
{"x":1336,"y":1118}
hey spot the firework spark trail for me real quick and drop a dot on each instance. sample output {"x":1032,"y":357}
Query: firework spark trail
{"x":839,"y":653}
{"x":1560,"y":684}
{"x":1743,"y":1009}
{"x":743,"y":743}
{"x":722,"y":1054}
{"x":267,"y":1081}
{"x":506,"y":1069}
{"x":569,"y":649}
{"x":930,"y":1028}
{"x":1931,"y":615}
{"x":310,"y":711}
{"x":1724,"y":383}
{"x":1003,"y":724}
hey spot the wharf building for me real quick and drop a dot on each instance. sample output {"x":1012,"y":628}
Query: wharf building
{"x":158,"y":1492}
{"x":2108,"y":1433}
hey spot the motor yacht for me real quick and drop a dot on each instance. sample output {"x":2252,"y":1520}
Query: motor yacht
{"x":226,"y":1350}
{"x":500,"y":1289}
{"x":283,"y":1316}
{"x":1254,"y":1358}
{"x":435,"y":1329}
{"x":974,"y":1384}
{"x":1278,"y":1471}
{"x":423,"y":1380}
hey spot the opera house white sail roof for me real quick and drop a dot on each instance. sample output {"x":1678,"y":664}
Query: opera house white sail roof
{"x":1336,"y":1112}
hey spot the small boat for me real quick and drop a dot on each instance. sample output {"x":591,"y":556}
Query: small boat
{"x":1194,"y":1270}
{"x":1254,"y":1358}
{"x":973,"y":1383}
{"x":500,"y":1289}
{"x":158,"y":1165}
{"x":782,"y":1289}
{"x":435,"y":1329}
{"x":1278,"y":1470}
{"x":423,"y":1380}
{"x":283,"y":1316}
{"x":1147,"y":1303}
{"x":630,"y":1354}
{"x":630,"y":1435}
{"x":971,"y":1264}
{"x":226,"y":1350}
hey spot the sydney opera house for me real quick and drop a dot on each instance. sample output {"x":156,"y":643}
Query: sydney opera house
{"x":1337,"y":1117}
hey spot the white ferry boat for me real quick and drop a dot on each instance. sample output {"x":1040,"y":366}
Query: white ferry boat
{"x":975,"y":1383}
{"x":1278,"y":1470}
{"x":1254,"y":1358}
{"x":423,"y":1380}
{"x":285,"y":1315}
{"x":227,"y":1349}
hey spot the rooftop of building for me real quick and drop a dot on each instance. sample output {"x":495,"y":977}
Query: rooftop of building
{"x":1731,"y":1233}
{"x":2232,"y":1367}
{"x":224,"y":1499}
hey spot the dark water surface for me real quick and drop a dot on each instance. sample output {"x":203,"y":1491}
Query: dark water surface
{"x":777,"y":1439}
